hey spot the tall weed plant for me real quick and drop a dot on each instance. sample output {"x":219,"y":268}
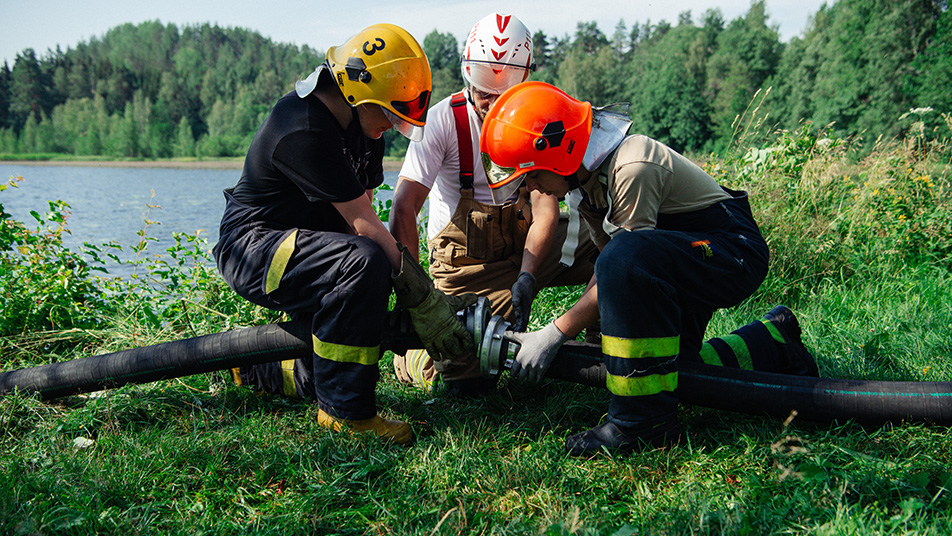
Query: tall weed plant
{"x":174,"y":294}
{"x":830,"y":213}
{"x":47,"y":296}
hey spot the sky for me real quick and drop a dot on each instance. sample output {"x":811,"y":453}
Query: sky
{"x":45,"y":24}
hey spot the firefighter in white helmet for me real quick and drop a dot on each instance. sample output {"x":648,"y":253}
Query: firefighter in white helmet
{"x":504,"y":249}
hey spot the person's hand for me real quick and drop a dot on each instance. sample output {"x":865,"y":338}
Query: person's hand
{"x":537,"y":349}
{"x":433,"y":313}
{"x":442,"y":332}
{"x":523,"y":292}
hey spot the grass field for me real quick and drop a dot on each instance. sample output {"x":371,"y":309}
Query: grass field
{"x":860,"y":250}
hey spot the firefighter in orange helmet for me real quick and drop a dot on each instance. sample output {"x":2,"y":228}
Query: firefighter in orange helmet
{"x":675,"y":246}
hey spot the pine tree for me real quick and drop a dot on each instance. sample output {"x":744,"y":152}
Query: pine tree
{"x":28,"y":90}
{"x":5,"y":96}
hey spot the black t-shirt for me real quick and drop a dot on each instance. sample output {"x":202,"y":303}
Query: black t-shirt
{"x":300,"y":161}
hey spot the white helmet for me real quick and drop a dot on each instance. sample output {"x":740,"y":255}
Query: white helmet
{"x":498,"y":54}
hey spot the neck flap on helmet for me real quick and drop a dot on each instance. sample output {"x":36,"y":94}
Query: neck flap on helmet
{"x":306,"y":87}
{"x":610,"y":125}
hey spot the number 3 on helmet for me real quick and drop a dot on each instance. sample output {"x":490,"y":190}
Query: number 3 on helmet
{"x":384,"y":64}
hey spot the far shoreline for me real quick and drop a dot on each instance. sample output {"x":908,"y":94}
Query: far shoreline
{"x":235,"y":163}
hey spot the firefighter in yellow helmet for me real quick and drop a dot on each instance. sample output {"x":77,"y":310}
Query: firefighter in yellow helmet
{"x":675,"y":246}
{"x":299,"y":233}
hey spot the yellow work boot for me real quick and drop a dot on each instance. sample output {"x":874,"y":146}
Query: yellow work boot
{"x":398,"y":432}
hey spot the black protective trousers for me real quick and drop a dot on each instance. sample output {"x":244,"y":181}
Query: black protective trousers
{"x":342,"y":282}
{"x":657,"y":290}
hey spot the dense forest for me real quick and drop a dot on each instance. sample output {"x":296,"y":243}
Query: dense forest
{"x":154,"y":90}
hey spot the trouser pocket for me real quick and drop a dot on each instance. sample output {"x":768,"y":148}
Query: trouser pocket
{"x":479,"y":236}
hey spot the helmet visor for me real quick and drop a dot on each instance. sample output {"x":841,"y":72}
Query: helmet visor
{"x":409,"y":130}
{"x":503,"y":180}
{"x":493,"y":77}
{"x":413,"y":110}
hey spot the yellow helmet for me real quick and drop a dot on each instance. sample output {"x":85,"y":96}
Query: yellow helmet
{"x":384,"y":64}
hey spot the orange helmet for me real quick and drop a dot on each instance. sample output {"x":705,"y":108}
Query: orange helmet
{"x":533,"y":125}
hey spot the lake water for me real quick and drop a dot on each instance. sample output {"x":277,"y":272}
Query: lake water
{"x":112,"y":203}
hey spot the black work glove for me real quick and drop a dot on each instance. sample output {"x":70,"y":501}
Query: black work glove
{"x":399,"y":321}
{"x":523,"y":292}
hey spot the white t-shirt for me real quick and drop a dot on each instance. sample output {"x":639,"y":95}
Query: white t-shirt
{"x":435,"y":161}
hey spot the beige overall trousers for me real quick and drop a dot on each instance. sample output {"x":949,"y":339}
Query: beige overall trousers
{"x":480,"y":251}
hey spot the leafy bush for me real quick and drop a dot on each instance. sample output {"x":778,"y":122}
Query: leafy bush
{"x":43,"y":285}
{"x":174,"y":295}
{"x":56,"y":299}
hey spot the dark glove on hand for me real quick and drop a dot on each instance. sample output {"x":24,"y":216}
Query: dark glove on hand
{"x":523,"y":293}
{"x":399,"y":321}
{"x":433,"y":313}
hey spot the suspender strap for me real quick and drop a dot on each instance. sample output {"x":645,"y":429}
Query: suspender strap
{"x":464,"y":140}
{"x":573,"y":199}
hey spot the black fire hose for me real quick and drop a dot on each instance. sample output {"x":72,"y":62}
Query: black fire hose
{"x":208,"y":353}
{"x":814,"y":399}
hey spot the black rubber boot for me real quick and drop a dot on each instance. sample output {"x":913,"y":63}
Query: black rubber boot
{"x":610,"y":437}
{"x":797,"y":359}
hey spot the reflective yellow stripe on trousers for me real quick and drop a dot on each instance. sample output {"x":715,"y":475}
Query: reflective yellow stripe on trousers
{"x":741,"y":352}
{"x":638,"y":349}
{"x":279,"y":262}
{"x":363,"y":355}
{"x":774,"y":332}
{"x":287,"y":375}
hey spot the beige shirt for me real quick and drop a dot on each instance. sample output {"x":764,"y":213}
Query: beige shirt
{"x":641,"y":179}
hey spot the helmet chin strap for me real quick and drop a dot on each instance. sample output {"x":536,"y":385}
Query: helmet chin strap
{"x":469,"y":98}
{"x":573,"y":181}
{"x":469,"y":95}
